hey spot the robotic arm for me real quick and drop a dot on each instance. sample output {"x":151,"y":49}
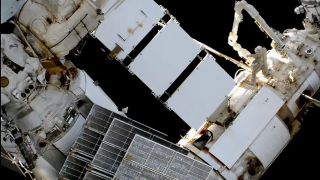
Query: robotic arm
{"x":233,"y":36}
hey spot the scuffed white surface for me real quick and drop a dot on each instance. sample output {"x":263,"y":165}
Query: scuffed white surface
{"x":247,"y":126}
{"x":132,"y":20}
{"x":270,"y":142}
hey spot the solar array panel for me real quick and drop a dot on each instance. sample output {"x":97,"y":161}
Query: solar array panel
{"x":99,"y":120}
{"x":95,"y":175}
{"x":74,"y":167}
{"x":148,"y":159}
{"x":115,"y":144}
{"x":102,"y":144}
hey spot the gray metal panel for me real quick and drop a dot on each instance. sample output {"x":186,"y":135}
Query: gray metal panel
{"x":201,"y":93}
{"x":148,"y":158}
{"x":165,"y":57}
{"x":64,"y":144}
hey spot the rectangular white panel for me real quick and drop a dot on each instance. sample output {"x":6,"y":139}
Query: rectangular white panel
{"x":271,"y":141}
{"x":208,"y":159}
{"x":127,"y":23}
{"x":165,"y":57}
{"x":201,"y":93}
{"x":247,"y":126}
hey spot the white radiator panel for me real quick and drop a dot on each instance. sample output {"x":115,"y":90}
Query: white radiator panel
{"x":126,"y":23}
{"x":201,"y":93}
{"x":165,"y":57}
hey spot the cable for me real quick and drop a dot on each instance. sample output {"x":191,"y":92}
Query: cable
{"x":237,"y":72}
{"x":210,"y":49}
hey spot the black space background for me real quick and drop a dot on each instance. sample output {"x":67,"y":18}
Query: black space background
{"x":209,"y":22}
